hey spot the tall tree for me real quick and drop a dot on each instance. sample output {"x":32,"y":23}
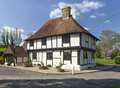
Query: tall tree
{"x":109,"y":39}
{"x":11,"y":37}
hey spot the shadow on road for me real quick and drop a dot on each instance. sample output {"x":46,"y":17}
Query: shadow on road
{"x":60,"y":83}
{"x":114,"y":68}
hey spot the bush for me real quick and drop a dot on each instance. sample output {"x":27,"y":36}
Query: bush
{"x":43,"y":67}
{"x":59,"y":69}
{"x":28,"y":63}
{"x":115,"y":53}
{"x":49,"y":65}
{"x":117,"y":59}
{"x":2,"y":60}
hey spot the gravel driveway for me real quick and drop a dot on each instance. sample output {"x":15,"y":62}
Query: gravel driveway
{"x":15,"y":78}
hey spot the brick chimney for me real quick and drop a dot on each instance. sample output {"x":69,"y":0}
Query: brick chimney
{"x":66,"y":12}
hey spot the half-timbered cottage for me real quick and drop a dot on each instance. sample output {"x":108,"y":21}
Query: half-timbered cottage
{"x":62,"y":41}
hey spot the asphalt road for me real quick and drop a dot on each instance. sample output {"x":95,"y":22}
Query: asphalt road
{"x":15,"y":78}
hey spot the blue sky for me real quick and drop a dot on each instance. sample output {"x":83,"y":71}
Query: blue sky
{"x":30,"y":15}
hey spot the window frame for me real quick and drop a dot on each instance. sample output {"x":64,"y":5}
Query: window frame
{"x":67,"y":55}
{"x":34,"y":55}
{"x":85,"y":55}
{"x":66,"y":38}
{"x":49,"y":55}
{"x":31,"y":43}
{"x":43,"y":40}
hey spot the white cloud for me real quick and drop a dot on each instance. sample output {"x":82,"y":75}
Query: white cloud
{"x":21,"y":30}
{"x":107,"y":21}
{"x":101,"y":14}
{"x":93,"y":16}
{"x":77,"y":8}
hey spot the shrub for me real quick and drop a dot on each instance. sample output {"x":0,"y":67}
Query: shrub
{"x":43,"y":67}
{"x":28,"y":63}
{"x":49,"y":65}
{"x":115,"y":53}
{"x":117,"y":59}
{"x":2,"y":60}
{"x":59,"y":69}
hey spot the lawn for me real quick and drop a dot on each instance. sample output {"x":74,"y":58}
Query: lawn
{"x":2,"y":49}
{"x":103,"y":61}
{"x":117,"y":86}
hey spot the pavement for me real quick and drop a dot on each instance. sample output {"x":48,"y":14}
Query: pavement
{"x":18,"y":78}
{"x":54,"y":71}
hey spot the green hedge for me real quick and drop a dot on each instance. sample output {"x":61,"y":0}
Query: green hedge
{"x":104,"y":61}
{"x":117,"y":59}
{"x":2,"y":60}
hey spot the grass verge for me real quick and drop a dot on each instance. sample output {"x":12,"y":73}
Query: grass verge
{"x":104,"y":61}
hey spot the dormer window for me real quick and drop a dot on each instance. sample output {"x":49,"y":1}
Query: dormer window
{"x":66,"y":38}
{"x":31,"y":43}
{"x":44,"y":41}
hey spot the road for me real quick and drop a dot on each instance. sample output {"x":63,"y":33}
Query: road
{"x":15,"y":78}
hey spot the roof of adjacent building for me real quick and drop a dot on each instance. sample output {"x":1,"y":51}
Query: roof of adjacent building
{"x":59,"y":26}
{"x":17,"y":51}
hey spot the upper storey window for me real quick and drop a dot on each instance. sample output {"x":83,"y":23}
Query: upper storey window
{"x":44,"y":41}
{"x":66,"y":38}
{"x":31,"y":43}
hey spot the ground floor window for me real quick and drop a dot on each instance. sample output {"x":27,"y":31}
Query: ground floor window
{"x":67,"y":55}
{"x":85,"y":55}
{"x":34,"y":55}
{"x":49,"y":55}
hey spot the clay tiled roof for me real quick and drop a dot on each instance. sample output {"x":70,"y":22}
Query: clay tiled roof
{"x":58,"y":26}
{"x":17,"y":51}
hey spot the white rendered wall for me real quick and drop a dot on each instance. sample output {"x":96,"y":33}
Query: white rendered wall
{"x":56,"y":58}
{"x":49,"y":42}
{"x":59,"y":41}
{"x":74,"y":57}
{"x":44,"y":58}
{"x":43,"y":46}
{"x":75,"y":39}
{"x":35,"y":44}
{"x":81,"y":57}
{"x":39,"y":44}
{"x":39,"y":56}
{"x":66,"y":44}
{"x":54,"y":42}
{"x":28,"y":45}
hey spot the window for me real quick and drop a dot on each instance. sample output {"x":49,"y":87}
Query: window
{"x":85,"y":55}
{"x":44,"y":41}
{"x":67,"y":55}
{"x":49,"y":55}
{"x":86,"y":43}
{"x":31,"y":43}
{"x":34,"y":55}
{"x":66,"y":38}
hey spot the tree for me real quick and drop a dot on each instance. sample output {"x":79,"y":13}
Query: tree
{"x":11,"y":37}
{"x":98,"y":53}
{"x":109,"y":39}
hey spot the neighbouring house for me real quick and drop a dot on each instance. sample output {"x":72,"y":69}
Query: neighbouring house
{"x":15,"y":54}
{"x":62,"y":41}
